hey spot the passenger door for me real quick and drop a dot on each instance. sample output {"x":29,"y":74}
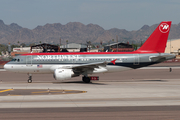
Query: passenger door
{"x":136,"y":59}
{"x":29,"y":60}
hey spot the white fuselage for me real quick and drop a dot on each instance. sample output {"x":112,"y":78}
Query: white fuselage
{"x":47,"y":63}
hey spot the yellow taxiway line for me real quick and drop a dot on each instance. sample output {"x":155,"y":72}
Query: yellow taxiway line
{"x":52,"y":91}
{"x":5,"y":90}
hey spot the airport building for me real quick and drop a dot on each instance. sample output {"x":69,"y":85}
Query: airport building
{"x":118,"y":47}
{"x":74,"y":47}
{"x":173,"y":46}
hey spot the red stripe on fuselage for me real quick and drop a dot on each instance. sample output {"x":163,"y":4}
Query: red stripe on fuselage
{"x":88,"y":53}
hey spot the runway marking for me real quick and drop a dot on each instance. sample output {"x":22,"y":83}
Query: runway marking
{"x":5,"y":90}
{"x":18,"y":92}
{"x":52,"y":91}
{"x":59,"y":91}
{"x":41,"y":92}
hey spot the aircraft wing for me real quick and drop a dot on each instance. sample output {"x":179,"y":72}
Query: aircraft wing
{"x":89,"y":65}
{"x":79,"y":69}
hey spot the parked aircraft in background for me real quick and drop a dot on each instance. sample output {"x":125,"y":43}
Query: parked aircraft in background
{"x":67,"y":65}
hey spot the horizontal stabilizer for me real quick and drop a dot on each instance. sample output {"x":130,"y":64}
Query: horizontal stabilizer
{"x":162,"y":58}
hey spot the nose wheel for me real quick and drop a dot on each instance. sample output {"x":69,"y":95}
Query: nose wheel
{"x":30,"y":79}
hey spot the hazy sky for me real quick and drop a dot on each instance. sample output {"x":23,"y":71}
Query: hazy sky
{"x":122,"y":14}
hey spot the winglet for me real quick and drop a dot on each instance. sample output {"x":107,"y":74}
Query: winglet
{"x":113,"y":61}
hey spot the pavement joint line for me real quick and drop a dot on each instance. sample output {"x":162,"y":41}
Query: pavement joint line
{"x":13,"y":95}
{"x":93,"y":100}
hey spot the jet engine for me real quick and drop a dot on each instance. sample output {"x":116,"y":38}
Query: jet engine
{"x":63,"y":74}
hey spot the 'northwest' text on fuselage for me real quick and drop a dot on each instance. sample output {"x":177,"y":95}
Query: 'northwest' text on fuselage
{"x":57,"y":57}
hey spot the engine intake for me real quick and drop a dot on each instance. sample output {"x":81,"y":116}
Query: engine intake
{"x":63,"y":74}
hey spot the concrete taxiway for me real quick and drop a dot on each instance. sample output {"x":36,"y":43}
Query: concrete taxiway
{"x":143,"y":87}
{"x":129,"y":89}
{"x":131,"y":93}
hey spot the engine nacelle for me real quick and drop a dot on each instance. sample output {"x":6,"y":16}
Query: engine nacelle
{"x":63,"y":74}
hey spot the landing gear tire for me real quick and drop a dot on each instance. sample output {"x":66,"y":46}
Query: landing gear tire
{"x":29,"y":81}
{"x":86,"y":79}
{"x":30,"y":78}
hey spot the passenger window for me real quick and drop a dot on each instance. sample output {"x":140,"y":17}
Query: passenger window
{"x":18,"y":60}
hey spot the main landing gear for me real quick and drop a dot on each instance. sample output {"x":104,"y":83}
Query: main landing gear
{"x":30,"y":78}
{"x":86,"y":79}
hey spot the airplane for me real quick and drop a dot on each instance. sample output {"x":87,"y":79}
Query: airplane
{"x":64,"y":66}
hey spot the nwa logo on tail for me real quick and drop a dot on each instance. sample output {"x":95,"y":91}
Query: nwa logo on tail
{"x":164,"y":28}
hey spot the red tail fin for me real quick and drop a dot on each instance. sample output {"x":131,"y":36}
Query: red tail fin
{"x":158,"y":39}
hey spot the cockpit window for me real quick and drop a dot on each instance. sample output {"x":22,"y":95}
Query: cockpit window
{"x":15,"y":60}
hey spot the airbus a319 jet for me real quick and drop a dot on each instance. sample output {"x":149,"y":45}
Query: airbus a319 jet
{"x":64,"y":66}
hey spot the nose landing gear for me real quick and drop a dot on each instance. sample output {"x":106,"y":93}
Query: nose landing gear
{"x":30,"y":78}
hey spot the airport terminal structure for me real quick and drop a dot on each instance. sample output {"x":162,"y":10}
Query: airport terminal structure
{"x":173,"y":46}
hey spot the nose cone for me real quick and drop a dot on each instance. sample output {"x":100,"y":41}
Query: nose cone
{"x":6,"y":67}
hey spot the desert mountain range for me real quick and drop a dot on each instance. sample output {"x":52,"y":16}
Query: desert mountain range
{"x":76,"y":32}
